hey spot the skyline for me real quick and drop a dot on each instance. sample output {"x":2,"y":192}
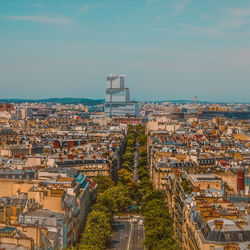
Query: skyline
{"x":166,"y":50}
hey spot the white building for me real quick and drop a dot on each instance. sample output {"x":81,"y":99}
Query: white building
{"x":117,"y":101}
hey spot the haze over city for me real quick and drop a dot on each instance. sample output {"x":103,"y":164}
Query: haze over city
{"x":167,"y":49}
{"x":124,"y":125}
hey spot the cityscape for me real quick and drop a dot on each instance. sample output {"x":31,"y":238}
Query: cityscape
{"x":124,"y":126}
{"x":118,"y":174}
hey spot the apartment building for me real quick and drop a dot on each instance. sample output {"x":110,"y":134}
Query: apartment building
{"x":204,"y":172}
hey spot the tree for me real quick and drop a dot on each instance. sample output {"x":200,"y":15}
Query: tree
{"x":103,"y":183}
{"x":145,"y":183}
{"x":133,"y":191}
{"x":128,"y":156}
{"x":142,"y":140}
{"x":100,"y":207}
{"x":107,"y":200}
{"x":167,"y":243}
{"x":143,"y":161}
{"x":140,"y":129}
{"x":143,"y":173}
{"x":130,"y":144}
{"x":97,"y":231}
{"x":186,"y":186}
{"x":127,"y":165}
{"x":120,"y":196}
{"x":143,"y":151}
{"x":155,"y":194}
{"x":131,"y":136}
{"x":124,"y":177}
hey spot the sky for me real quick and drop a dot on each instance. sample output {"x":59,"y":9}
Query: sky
{"x":168,"y":49}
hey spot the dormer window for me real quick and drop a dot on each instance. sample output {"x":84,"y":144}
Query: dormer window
{"x":21,"y":219}
{"x":43,"y":221}
{"x":227,"y":237}
{"x":240,"y":237}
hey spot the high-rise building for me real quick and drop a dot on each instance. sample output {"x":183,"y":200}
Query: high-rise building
{"x":117,"y":101}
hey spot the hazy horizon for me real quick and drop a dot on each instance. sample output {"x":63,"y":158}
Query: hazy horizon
{"x":103,"y":99}
{"x":168,"y":50}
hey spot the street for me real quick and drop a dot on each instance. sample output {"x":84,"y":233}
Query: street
{"x":127,"y":235}
{"x":137,"y":237}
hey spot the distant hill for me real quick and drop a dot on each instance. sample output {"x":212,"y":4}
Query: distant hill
{"x":93,"y":102}
{"x":192,"y":101}
{"x":84,"y":101}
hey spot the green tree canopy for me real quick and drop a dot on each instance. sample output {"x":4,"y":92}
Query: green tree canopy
{"x":143,"y":161}
{"x":130,"y":143}
{"x":103,"y":183}
{"x":128,"y":156}
{"x":143,"y":151}
{"x":120,"y":196}
{"x":107,"y":200}
{"x":142,"y":140}
{"x":143,"y":173}
{"x":127,"y":165}
{"x":124,"y":177}
{"x":97,"y":231}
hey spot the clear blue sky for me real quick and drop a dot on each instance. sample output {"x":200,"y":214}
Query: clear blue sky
{"x":168,"y":49}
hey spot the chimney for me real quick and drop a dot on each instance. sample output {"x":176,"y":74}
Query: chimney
{"x":240,"y":223}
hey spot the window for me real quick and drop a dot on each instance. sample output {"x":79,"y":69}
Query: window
{"x":227,"y":237}
{"x":43,"y":221}
{"x":36,"y":220}
{"x":240,"y":237}
{"x":21,"y":219}
{"x":58,"y":223}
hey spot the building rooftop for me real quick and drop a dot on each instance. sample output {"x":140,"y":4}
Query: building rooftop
{"x":45,"y":213}
{"x":204,"y":178}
